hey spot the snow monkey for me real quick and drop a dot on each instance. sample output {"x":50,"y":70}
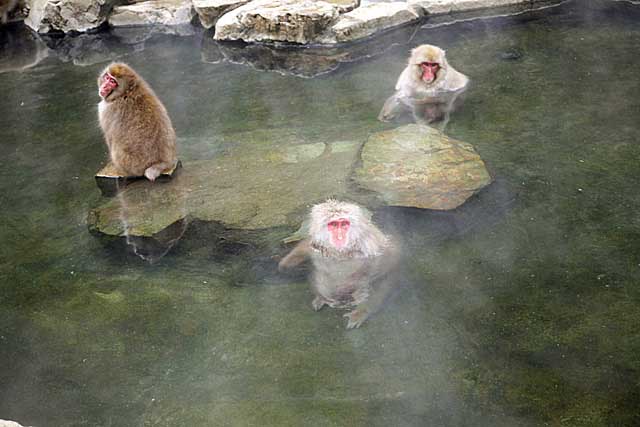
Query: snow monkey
{"x":428,"y":87}
{"x":136,"y":126}
{"x":352,"y":260}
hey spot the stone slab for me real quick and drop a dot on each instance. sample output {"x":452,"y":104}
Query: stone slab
{"x":110,"y":181}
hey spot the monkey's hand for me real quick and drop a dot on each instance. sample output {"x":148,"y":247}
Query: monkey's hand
{"x":319,"y":302}
{"x":356,"y":317}
{"x":296,"y":256}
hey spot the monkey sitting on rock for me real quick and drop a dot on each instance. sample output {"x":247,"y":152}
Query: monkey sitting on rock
{"x":135,"y":124}
{"x":352,"y":260}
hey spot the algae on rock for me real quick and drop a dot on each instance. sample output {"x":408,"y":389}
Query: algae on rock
{"x":418,"y":166}
{"x":250,"y":186}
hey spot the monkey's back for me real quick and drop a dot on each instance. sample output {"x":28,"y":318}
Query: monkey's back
{"x":138,"y":131}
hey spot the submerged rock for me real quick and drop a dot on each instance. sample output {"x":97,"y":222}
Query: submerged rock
{"x":157,"y":12}
{"x":418,"y":166}
{"x":68,"y":15}
{"x":299,"y":60}
{"x":250,"y":186}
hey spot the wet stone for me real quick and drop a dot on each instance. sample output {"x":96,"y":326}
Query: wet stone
{"x":252,"y":185}
{"x":110,"y":181}
{"x":418,"y":166}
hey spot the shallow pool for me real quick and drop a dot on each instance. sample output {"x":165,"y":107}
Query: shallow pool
{"x":519,"y":308}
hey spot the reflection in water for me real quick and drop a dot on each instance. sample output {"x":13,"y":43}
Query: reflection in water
{"x":20,"y":48}
{"x":301,"y":61}
{"x":140,"y":196}
{"x":352,"y":260}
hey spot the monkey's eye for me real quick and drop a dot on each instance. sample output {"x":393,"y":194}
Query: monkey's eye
{"x":109,"y":78}
{"x":430,"y":64}
{"x":339,"y":223}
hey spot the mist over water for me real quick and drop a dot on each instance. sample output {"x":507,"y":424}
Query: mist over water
{"x":519,"y":308}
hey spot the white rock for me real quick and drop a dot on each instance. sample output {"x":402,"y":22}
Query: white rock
{"x":210,"y":11}
{"x":67,"y":15}
{"x":153,"y":12}
{"x":296,"y":21}
{"x":369,"y":19}
{"x":5,"y":423}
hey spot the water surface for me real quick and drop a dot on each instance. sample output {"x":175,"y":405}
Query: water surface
{"x":520,"y":308}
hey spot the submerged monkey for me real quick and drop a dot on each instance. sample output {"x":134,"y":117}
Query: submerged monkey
{"x":352,"y":260}
{"x":135,"y":124}
{"x":428,"y":87}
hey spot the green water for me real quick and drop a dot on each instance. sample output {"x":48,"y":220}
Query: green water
{"x":520,"y":308}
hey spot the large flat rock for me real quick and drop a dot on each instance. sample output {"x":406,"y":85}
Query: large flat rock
{"x":418,"y":166}
{"x":249,"y":186}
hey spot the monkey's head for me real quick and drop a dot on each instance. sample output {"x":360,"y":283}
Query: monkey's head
{"x":116,"y":80}
{"x":344,"y":227}
{"x":429,"y":63}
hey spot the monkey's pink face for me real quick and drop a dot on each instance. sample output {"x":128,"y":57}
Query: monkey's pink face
{"x":429,"y":71}
{"x":339,"y":231}
{"x":109,"y":84}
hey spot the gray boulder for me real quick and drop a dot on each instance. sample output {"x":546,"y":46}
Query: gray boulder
{"x":370,"y":19}
{"x":295,"y":21}
{"x":418,"y":166}
{"x":209,"y":11}
{"x":156,"y":12}
{"x":68,"y":15}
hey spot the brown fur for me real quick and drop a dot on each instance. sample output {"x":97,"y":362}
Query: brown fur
{"x":356,"y":275}
{"x":136,"y":126}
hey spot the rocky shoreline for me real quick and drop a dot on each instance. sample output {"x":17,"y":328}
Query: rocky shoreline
{"x":302,"y":22}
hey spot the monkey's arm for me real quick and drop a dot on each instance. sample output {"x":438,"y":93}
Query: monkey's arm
{"x":391,"y":109}
{"x":381,"y":285}
{"x":296,"y":256}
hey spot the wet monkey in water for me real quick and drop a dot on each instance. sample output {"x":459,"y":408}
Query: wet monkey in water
{"x":135,"y":124}
{"x":352,"y":260}
{"x":428,"y":87}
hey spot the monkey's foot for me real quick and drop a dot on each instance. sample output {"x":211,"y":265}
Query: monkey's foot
{"x":319,"y":302}
{"x":152,"y":173}
{"x":356,"y":318}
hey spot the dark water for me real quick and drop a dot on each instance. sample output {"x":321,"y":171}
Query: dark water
{"x":520,"y":308}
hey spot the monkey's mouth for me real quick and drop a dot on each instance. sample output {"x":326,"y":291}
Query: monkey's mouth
{"x":109,"y":83}
{"x":429,"y":71}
